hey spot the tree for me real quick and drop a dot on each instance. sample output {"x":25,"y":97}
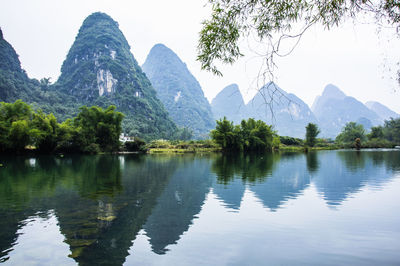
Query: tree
{"x":350,"y":133}
{"x":96,"y":126}
{"x":19,"y":136}
{"x":184,"y":134}
{"x":223,"y":133}
{"x":312,"y":132}
{"x":232,"y":20}
{"x":250,"y":135}
{"x":255,"y":135}
{"x":376,"y":133}
{"x":44,"y":130}
{"x":14,"y":126}
{"x":391,"y":130}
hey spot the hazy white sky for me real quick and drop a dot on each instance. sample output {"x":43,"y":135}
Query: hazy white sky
{"x":359,"y":61}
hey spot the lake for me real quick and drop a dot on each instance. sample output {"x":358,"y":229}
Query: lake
{"x":320,"y":208}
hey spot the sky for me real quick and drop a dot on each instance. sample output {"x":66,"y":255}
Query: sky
{"x":359,"y":58}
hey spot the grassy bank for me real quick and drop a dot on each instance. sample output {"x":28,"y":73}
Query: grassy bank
{"x":199,"y":146}
{"x":207,"y":146}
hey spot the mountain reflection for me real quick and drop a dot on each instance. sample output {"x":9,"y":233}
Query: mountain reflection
{"x":343,"y":173}
{"x":102,"y":202}
{"x":179,"y":203}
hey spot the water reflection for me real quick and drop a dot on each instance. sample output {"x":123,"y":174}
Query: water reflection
{"x":344,"y":173}
{"x":102,"y":202}
{"x":179,"y":203}
{"x":312,"y":162}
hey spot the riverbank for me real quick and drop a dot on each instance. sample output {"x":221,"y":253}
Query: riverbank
{"x":199,"y":146}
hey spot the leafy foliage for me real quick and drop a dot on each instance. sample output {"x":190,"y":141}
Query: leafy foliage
{"x":391,"y":130}
{"x":93,"y":130}
{"x":386,"y":136}
{"x":376,"y":133}
{"x":351,"y":132}
{"x":250,"y":135}
{"x":291,"y":141}
{"x":138,"y":145}
{"x":224,"y":135}
{"x":184,"y":134}
{"x":312,"y":132}
{"x":99,"y":126}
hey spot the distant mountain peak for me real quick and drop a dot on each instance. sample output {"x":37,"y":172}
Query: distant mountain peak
{"x":334,"y":109}
{"x":331,"y":91}
{"x":229,"y":92}
{"x":229,"y":103}
{"x":161,"y":46}
{"x":383,"y":111}
{"x":288,"y":113}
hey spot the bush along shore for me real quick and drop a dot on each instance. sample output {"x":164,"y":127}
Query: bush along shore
{"x":93,"y":130}
{"x":96,"y":130}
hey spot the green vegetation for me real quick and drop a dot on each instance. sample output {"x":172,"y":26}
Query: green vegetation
{"x":94,"y":130}
{"x":250,"y":135}
{"x":312,"y":132}
{"x":138,"y":145}
{"x":198,"y":146}
{"x":386,"y":136}
{"x":350,"y":133}
{"x":290,"y":141}
{"x":254,"y":135}
{"x":91,"y":131}
{"x":391,"y":130}
{"x":98,"y":70}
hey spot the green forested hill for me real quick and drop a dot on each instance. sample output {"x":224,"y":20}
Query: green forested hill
{"x":179,"y":91}
{"x":14,"y":83}
{"x":99,"y":70}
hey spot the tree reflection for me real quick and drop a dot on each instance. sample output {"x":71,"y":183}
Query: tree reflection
{"x":312,"y":162}
{"x":251,"y":167}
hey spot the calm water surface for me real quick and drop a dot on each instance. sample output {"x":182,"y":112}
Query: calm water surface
{"x":323,"y":208}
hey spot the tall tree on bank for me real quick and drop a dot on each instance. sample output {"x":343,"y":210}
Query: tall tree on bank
{"x":312,"y":132}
